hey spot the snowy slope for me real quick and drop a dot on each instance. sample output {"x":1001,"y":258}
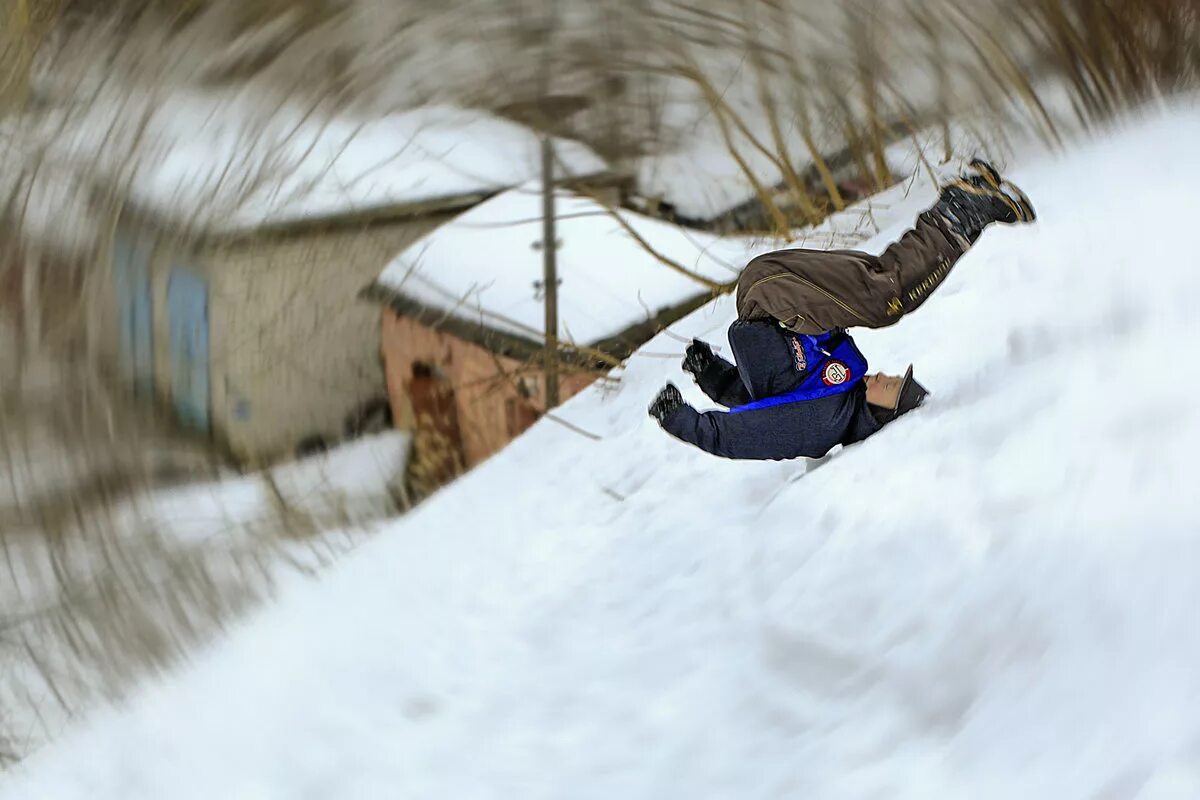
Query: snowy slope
{"x":486,"y":265}
{"x":995,"y":598}
{"x":229,"y":533}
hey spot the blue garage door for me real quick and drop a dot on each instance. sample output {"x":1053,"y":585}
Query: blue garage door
{"x":135,"y":315}
{"x":187,"y":309}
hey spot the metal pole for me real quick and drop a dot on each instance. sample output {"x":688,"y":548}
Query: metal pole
{"x":550,"y":274}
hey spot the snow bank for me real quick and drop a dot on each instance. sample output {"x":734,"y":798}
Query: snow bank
{"x":353,"y":479}
{"x":101,"y":575}
{"x":994,"y":598}
{"x":486,"y":265}
{"x":348,"y":485}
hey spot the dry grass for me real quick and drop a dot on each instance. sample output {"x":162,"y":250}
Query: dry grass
{"x":796,"y":82}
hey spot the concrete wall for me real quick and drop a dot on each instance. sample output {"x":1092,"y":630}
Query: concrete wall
{"x":478,"y":377}
{"x":293,"y":348}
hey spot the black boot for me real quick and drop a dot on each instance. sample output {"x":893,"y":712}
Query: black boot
{"x":979,"y":198}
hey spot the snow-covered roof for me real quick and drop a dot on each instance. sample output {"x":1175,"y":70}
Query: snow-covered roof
{"x":236,"y":161}
{"x":234,"y":166}
{"x":486,"y":266}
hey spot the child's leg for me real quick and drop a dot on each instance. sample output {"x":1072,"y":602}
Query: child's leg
{"x":917,"y":264}
{"x":812,"y":291}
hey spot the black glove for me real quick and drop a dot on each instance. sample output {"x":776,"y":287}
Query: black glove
{"x":697,"y":358}
{"x":668,"y":400}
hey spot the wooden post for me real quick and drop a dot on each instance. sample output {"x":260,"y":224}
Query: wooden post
{"x":550,"y":274}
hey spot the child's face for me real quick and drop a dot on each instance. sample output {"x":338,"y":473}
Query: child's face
{"x":884,"y":390}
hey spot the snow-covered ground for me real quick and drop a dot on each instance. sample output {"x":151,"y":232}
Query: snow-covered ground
{"x":86,"y":574}
{"x":96,"y":530}
{"x":993,"y":598}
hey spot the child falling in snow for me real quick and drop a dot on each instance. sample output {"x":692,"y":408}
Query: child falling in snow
{"x":801,"y":385}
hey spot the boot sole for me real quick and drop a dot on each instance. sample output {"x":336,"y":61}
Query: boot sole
{"x":1021,"y":207}
{"x":1024,"y":208}
{"x":1028,"y":214}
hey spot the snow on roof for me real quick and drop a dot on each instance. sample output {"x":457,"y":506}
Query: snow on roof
{"x":486,"y":265}
{"x":236,"y":166}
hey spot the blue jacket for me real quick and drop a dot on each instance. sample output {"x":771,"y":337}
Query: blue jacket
{"x":771,"y":362}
